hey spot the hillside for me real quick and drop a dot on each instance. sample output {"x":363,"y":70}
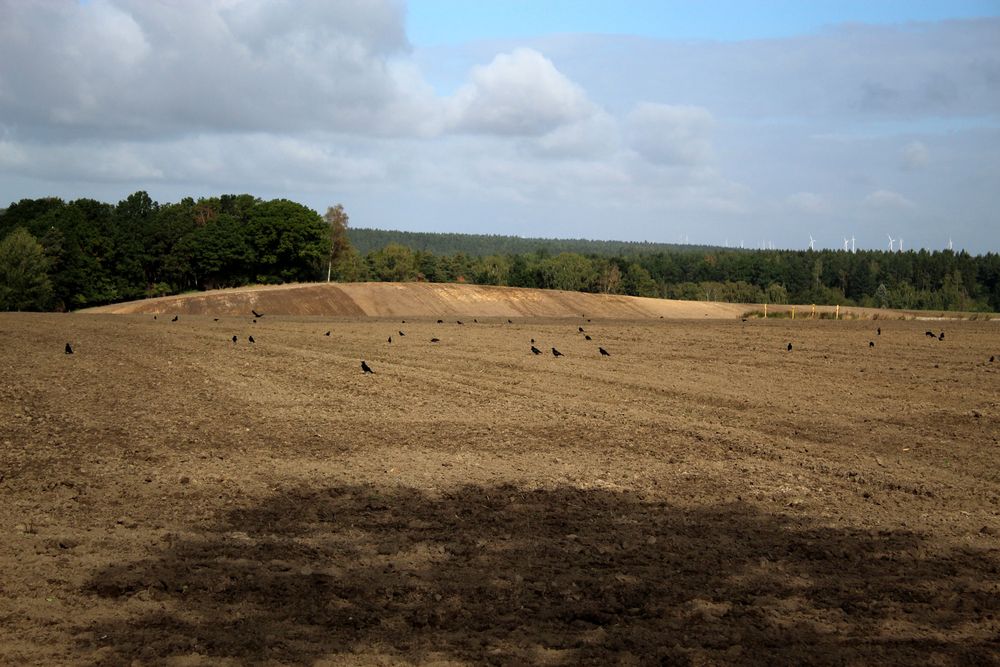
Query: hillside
{"x":421,"y":300}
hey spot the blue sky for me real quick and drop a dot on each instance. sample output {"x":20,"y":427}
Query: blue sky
{"x":438,"y":22}
{"x":716,"y":122}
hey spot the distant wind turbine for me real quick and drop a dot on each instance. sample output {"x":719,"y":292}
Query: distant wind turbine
{"x":847,"y":242}
{"x":812,"y":242}
{"x":900,"y":244}
{"x":852,"y":243}
{"x":891,"y":242}
{"x":950,"y":246}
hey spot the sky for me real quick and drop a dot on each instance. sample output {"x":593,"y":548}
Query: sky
{"x":759,"y":122}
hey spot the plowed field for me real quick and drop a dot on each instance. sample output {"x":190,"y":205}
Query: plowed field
{"x":700,"y":496}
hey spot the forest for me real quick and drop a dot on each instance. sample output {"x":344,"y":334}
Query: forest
{"x":57,"y":255}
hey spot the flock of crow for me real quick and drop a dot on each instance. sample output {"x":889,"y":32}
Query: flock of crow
{"x":366,"y":369}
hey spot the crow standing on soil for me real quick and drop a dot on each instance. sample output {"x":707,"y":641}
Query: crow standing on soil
{"x":991,"y":357}
{"x":587,"y":336}
{"x":234,"y":340}
{"x":69,"y":349}
{"x":216,"y":319}
{"x":929,"y":333}
{"x":879,"y":331}
{"x":871,"y":343}
{"x":941,"y":337}
{"x":366,"y":369}
{"x":556,"y":353}
{"x":535,"y":350}
{"x":435,"y":340}
{"x":604,"y":353}
{"x":256,"y":314}
{"x":581,"y":329}
{"x":509,"y":322}
{"x":250,"y":339}
{"x":176,"y":317}
{"x":390,"y":339}
{"x":532,"y":341}
{"x":327,"y":333}
{"x":401,"y":333}
{"x":440,"y":321}
{"x":154,"y":317}
{"x":789,"y":347}
{"x":459,"y":321}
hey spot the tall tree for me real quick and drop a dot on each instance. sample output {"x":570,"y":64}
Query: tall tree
{"x":24,"y":281}
{"x":340,"y":244}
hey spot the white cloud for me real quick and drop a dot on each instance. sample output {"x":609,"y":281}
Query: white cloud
{"x":807,"y":202}
{"x":889,"y":200}
{"x":915,"y":156}
{"x":671,"y":135}
{"x":518,"y":94}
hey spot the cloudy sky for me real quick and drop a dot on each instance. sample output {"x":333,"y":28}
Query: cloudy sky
{"x":661,"y":120}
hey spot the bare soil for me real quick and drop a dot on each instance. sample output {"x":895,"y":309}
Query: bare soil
{"x":702,"y":496}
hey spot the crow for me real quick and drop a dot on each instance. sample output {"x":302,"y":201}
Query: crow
{"x":403,"y":322}
{"x":509,"y":322}
{"x":789,"y":347}
{"x":581,"y":329}
{"x":250,"y":339}
{"x":991,"y":357}
{"x":215,"y":319}
{"x":743,"y":319}
{"x":535,"y":350}
{"x":475,"y":321}
{"x":440,"y":321}
{"x":587,"y":336}
{"x":604,"y":353}
{"x":234,"y":340}
{"x":390,"y":339}
{"x":154,"y":317}
{"x":366,"y":369}
{"x":256,"y":314}
{"x":327,"y":333}
{"x":255,"y":321}
{"x":176,"y":317}
{"x":401,"y":333}
{"x":929,"y":333}
{"x":879,"y":331}
{"x":941,"y":337}
{"x":69,"y":349}
{"x":459,"y":321}
{"x":556,"y":353}
{"x":532,"y":341}
{"x":871,"y":343}
{"x":435,"y":340}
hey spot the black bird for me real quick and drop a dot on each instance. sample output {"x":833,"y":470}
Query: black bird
{"x":215,"y":319}
{"x":509,"y":322}
{"x":327,"y":333}
{"x":789,"y":347}
{"x":743,"y":319}
{"x":435,"y":340}
{"x":154,"y":317}
{"x":366,"y":369}
{"x":588,"y":319}
{"x":390,"y":339}
{"x":581,"y":329}
{"x":176,"y":317}
{"x":532,"y":340}
{"x":250,"y":339}
{"x":871,"y":343}
{"x":587,"y":336}
{"x":556,"y":353}
{"x":255,"y":321}
{"x":535,"y":350}
{"x":401,"y":333}
{"x":929,"y":333}
{"x":941,"y":337}
{"x":879,"y":331}
{"x":604,"y":353}
{"x":403,"y":322}
{"x":69,"y":349}
{"x":234,"y":340}
{"x":256,"y":314}
{"x":440,"y":321}
{"x":459,"y":321}
{"x":991,"y":359}
{"x":475,"y":321}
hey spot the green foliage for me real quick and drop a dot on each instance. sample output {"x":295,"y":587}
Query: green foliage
{"x":24,"y":281}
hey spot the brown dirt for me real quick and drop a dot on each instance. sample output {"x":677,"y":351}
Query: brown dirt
{"x":420,"y":300}
{"x":700,"y":497}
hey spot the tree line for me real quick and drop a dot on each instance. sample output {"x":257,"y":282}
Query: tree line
{"x":57,"y":255}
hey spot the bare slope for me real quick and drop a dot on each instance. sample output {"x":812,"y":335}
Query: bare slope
{"x":421,"y":300}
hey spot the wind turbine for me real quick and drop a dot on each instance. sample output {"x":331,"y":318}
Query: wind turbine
{"x":891,"y":242}
{"x":846,"y":243}
{"x":812,"y":242}
{"x":852,"y":243}
{"x":900,"y":244}
{"x":950,"y":246}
